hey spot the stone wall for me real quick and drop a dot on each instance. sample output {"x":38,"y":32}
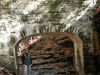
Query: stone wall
{"x":18,"y":20}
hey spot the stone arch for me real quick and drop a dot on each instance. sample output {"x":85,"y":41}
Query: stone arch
{"x":78,"y":47}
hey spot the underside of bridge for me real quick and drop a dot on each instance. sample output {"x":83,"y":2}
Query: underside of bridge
{"x":57,"y":53}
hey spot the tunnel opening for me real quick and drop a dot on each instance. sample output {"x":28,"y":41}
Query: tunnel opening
{"x":53,"y":53}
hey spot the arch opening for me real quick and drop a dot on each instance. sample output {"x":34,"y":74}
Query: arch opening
{"x":61,"y":52}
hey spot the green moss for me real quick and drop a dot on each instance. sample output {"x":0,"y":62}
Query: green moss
{"x":55,"y":17}
{"x":24,"y":18}
{"x":38,"y":47}
{"x":53,"y":10}
{"x":42,"y":39}
{"x":61,"y":27}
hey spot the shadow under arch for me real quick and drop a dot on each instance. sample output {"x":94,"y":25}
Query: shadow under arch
{"x":78,"y":48}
